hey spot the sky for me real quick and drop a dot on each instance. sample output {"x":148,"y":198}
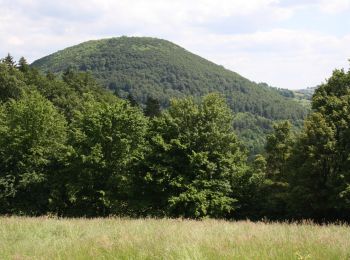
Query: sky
{"x":286,"y":43}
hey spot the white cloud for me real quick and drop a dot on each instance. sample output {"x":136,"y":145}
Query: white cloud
{"x":334,"y":6}
{"x":283,"y":58}
{"x":55,"y":24}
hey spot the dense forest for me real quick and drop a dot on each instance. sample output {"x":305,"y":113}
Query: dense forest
{"x":152,"y":68}
{"x":68,"y":147}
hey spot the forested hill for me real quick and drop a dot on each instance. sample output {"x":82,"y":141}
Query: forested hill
{"x":149,"y":67}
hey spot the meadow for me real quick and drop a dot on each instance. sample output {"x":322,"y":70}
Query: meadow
{"x":118,"y":238}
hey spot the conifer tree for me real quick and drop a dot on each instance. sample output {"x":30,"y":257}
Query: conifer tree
{"x":23,"y":65}
{"x":152,"y":107}
{"x":8,"y":60}
{"x":132,"y":100}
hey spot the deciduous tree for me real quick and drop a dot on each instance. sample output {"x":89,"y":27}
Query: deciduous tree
{"x":195,"y":159}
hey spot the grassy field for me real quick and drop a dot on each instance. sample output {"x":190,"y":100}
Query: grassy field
{"x":114,"y":238}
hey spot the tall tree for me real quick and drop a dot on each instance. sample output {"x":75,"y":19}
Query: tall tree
{"x":322,"y":167}
{"x":278,"y":150}
{"x":23,"y":65}
{"x":8,"y":60}
{"x":108,"y":140}
{"x":152,"y":107}
{"x":276,"y":185}
{"x":132,"y":100}
{"x":312,"y":191}
{"x":32,"y":145}
{"x":12,"y":83}
{"x":195,"y":160}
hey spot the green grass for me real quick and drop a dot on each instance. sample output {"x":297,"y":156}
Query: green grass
{"x":114,"y":238}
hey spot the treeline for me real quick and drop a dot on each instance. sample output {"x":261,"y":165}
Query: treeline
{"x":70,"y":148}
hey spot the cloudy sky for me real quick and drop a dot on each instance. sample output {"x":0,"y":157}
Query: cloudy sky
{"x":286,"y":43}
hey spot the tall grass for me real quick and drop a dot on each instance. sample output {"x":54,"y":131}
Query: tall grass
{"x":114,"y":238}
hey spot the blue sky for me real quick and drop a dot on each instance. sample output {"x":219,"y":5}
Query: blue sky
{"x":288,"y":44}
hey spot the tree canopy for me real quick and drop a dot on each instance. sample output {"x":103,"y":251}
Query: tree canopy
{"x":194,"y":159}
{"x":68,"y":147}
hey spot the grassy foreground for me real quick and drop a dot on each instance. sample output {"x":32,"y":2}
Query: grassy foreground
{"x":114,"y":238}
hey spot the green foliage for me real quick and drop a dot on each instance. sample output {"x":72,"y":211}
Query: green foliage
{"x":32,"y":164}
{"x":305,"y":93}
{"x":278,"y":150}
{"x":108,"y":139}
{"x":132,"y":100}
{"x":9,"y":61}
{"x":11,"y":83}
{"x":152,"y":108}
{"x":23,"y":65}
{"x":66,"y":94}
{"x":71,"y":148}
{"x":307,"y":175}
{"x":252,"y":130}
{"x":286,"y":92}
{"x":195,"y":159}
{"x":276,"y":184}
{"x":322,"y":165}
{"x":315,"y":155}
{"x":32,"y":144}
{"x":147,"y":67}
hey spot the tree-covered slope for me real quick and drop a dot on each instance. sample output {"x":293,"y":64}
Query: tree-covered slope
{"x":152,"y":67}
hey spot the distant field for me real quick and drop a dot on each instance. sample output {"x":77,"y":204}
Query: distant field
{"x":114,"y":238}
